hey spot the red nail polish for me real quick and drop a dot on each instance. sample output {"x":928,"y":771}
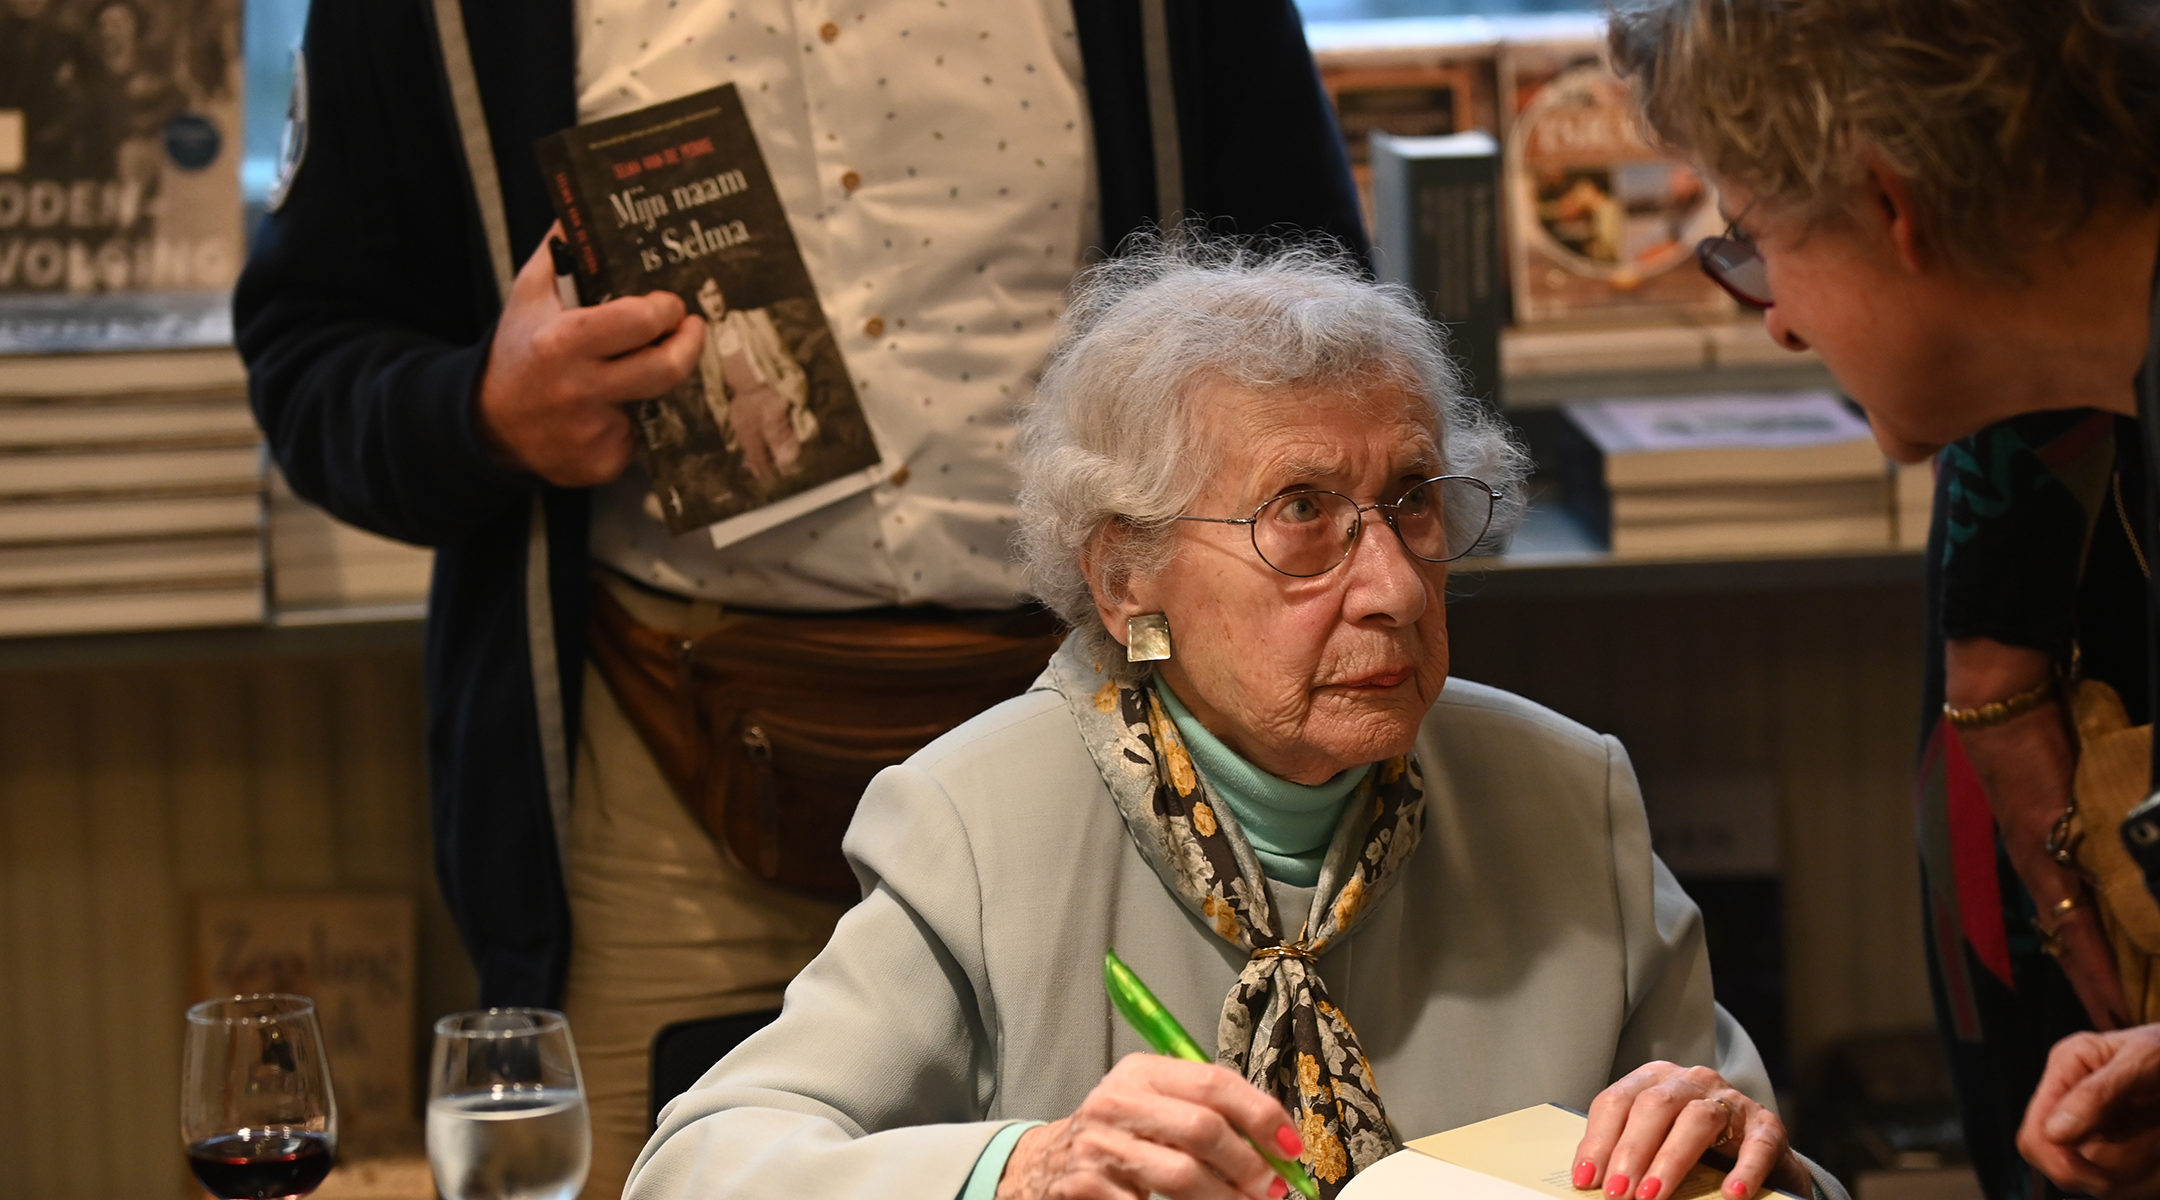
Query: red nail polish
{"x":1289,"y":1141}
{"x":1737,"y":1186}
{"x":1585,"y":1173}
{"x":1616,"y":1185}
{"x":1277,"y":1189}
{"x":1649,"y":1189}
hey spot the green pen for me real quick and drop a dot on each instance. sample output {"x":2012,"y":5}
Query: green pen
{"x":1145,"y":1013}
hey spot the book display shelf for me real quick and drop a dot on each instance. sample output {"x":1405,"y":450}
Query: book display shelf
{"x":312,"y":586}
{"x":152,"y":514}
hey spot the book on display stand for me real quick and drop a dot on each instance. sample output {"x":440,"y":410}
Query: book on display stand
{"x":1602,"y":226}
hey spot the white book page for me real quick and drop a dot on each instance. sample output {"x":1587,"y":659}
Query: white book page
{"x":758,"y":520}
{"x":1409,"y":1175}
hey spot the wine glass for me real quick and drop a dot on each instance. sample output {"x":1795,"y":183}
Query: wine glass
{"x":256,"y":1111}
{"x":506,"y":1113}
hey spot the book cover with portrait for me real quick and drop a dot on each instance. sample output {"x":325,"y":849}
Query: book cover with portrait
{"x":676,"y":197}
{"x":120,"y":217}
{"x":1601,"y":224}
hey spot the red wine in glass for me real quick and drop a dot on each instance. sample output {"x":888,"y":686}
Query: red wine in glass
{"x":261,"y":1165}
{"x":258,"y":1120}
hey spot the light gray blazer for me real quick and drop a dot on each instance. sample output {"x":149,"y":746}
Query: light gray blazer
{"x":1534,"y":950}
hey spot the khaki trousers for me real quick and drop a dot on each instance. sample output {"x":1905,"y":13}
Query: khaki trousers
{"x":664,"y":925}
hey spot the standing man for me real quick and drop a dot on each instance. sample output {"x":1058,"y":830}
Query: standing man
{"x":946,"y":170}
{"x":1956,"y":203}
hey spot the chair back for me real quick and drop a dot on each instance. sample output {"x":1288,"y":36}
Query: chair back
{"x":684,"y":1051}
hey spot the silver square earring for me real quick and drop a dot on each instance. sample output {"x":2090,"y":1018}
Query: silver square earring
{"x":1147,"y":638}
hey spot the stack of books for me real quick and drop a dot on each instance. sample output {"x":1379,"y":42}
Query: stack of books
{"x":1913,"y":485}
{"x":130,"y":493}
{"x":319,"y":562}
{"x":1726,"y":475}
{"x":1595,"y":226}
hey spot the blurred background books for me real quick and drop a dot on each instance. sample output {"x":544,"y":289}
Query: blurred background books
{"x":1739,"y":475}
{"x":133,"y":496}
{"x":1506,"y":183}
{"x":318,"y":562}
{"x":130,"y":495}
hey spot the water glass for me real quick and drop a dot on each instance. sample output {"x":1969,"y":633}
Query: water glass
{"x":506,"y":1115}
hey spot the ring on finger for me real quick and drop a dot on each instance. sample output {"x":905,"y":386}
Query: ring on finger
{"x":1727,"y":1135}
{"x":2049,"y":924}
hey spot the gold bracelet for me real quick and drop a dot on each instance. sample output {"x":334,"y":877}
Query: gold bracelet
{"x":1995,"y":712}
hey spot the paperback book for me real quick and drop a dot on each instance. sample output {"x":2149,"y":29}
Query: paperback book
{"x":319,"y":562}
{"x":1523,"y":1155}
{"x":1913,"y":485}
{"x":1437,"y":206}
{"x":676,"y":197}
{"x":1725,"y":475}
{"x":120,"y":216}
{"x":130,"y":493}
{"x":1603,"y":226}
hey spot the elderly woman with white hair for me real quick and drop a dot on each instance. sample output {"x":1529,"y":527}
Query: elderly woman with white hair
{"x":1390,"y":908}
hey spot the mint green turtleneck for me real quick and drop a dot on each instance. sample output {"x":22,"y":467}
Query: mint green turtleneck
{"x":1289,"y":824}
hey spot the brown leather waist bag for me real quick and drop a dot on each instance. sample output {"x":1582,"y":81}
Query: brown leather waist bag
{"x":769,"y":727}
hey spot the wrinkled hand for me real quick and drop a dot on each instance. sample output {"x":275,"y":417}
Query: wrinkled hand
{"x":2025,"y":766}
{"x":2093,"y":1125}
{"x":551,"y":400}
{"x":1650,"y":1129}
{"x":1155,"y":1124}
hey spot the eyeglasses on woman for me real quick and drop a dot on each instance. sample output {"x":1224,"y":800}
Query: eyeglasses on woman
{"x":1306,"y":533}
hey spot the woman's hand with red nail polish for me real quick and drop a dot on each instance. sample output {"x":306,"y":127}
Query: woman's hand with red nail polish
{"x":1660,"y":1120}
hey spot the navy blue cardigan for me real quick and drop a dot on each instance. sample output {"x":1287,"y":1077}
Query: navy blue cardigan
{"x":368,"y":303}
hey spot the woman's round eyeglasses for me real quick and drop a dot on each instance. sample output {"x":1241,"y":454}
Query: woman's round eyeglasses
{"x":1732,"y":262}
{"x":1303,"y":534}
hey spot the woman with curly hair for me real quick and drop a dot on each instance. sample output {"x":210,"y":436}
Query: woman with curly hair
{"x":1956,"y":203}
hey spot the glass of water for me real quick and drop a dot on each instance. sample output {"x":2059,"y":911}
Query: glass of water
{"x":506,"y":1107}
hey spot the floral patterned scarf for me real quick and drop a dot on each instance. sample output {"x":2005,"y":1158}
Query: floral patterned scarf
{"x":1278,"y":1029}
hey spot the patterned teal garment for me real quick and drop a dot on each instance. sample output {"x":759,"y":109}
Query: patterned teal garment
{"x":1278,"y":1029}
{"x":2030,"y":547}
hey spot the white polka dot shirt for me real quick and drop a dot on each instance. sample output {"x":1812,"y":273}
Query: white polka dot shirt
{"x":936,"y":164}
